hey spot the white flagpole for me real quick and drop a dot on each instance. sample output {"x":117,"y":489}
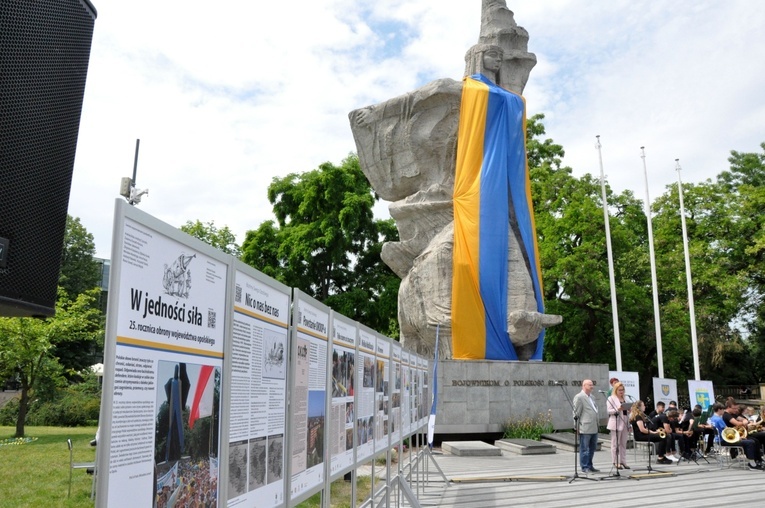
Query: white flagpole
{"x":614,"y":312}
{"x":654,"y":284}
{"x":694,"y":341}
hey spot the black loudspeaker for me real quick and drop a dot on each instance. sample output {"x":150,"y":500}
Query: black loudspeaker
{"x":44,"y":53}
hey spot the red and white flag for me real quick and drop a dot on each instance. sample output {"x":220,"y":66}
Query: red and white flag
{"x":202,"y":404}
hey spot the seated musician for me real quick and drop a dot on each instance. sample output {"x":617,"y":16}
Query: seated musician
{"x":733,"y":418}
{"x":658,"y":411}
{"x":679,"y":438}
{"x":677,"y":445}
{"x":644,"y":430}
{"x":702,"y":429}
{"x":751,"y":449}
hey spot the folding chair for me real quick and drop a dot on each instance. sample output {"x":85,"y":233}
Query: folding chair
{"x":76,"y":465}
{"x":648,"y":446}
{"x":723,"y":452}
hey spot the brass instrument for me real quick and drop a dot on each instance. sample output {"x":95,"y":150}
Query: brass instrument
{"x":731,"y":435}
{"x":661,"y":433}
{"x":741,"y":432}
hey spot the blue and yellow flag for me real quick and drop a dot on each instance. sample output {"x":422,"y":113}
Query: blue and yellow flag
{"x":491,"y":185}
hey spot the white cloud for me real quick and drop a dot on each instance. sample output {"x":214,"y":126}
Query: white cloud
{"x":225,"y":97}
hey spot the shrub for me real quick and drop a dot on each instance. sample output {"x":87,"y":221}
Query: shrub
{"x":529,"y":428}
{"x":73,"y":406}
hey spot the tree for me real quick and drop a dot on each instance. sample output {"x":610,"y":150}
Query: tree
{"x":79,"y":270}
{"x":80,"y":273}
{"x":726,"y":233}
{"x":28,"y":343}
{"x":326,"y":242}
{"x":220,"y":238}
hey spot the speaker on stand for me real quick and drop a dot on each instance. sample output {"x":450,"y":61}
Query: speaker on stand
{"x":43,"y":65}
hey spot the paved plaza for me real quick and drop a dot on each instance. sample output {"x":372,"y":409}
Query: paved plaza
{"x":545,"y":481}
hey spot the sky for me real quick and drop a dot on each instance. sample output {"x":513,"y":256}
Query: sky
{"x":225,"y":97}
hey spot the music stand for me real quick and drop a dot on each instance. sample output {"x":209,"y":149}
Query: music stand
{"x":702,"y":419}
{"x":576,"y":438}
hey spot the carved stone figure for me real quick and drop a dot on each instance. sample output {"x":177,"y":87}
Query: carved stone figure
{"x":407,"y":149}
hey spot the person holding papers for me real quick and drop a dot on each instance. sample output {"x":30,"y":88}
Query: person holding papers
{"x":618,"y":424}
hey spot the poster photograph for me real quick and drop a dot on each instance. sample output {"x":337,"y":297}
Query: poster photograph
{"x":186,"y":433}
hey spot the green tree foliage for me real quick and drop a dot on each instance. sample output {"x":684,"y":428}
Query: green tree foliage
{"x":80,"y":273}
{"x":326,"y":242}
{"x":727,"y":242}
{"x":26,"y":348}
{"x":570,"y":224}
{"x":79,"y":270}
{"x":220,"y":238}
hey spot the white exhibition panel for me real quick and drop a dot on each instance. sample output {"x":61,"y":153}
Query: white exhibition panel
{"x":163,"y":353}
{"x":343,"y":383}
{"x":257,"y":392}
{"x":308,"y":396}
{"x":382,"y":392}
{"x":220,"y":388}
{"x":365,"y":399}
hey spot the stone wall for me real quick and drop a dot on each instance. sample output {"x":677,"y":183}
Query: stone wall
{"x":480,"y":396}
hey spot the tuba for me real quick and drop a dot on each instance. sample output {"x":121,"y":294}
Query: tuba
{"x":731,"y":435}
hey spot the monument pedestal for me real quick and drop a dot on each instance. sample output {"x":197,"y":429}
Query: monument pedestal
{"x":480,"y":396}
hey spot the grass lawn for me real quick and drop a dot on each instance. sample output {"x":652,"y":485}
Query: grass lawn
{"x":36,"y":474}
{"x":341,"y":494}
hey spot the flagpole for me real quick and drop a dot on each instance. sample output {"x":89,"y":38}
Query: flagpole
{"x":614,"y":311}
{"x":694,"y":341}
{"x":654,"y":284}
{"x":434,"y":402}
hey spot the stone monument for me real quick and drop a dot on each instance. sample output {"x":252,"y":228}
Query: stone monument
{"x":407,"y":148}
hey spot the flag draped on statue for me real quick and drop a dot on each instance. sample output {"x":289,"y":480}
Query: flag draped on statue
{"x":202,"y":404}
{"x":491,"y":189}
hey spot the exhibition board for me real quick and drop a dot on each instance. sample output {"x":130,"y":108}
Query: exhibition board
{"x":225,"y":386}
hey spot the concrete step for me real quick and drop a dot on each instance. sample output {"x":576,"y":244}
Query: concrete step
{"x":525,"y":446}
{"x":470,"y":449}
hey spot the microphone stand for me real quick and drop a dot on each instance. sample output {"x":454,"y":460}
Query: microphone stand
{"x":617,"y":475}
{"x":576,"y":438}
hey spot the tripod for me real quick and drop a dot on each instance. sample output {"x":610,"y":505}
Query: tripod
{"x":576,"y":438}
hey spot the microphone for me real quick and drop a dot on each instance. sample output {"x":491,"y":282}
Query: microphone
{"x":557,"y":383}
{"x":601,"y":391}
{"x":630,"y":396}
